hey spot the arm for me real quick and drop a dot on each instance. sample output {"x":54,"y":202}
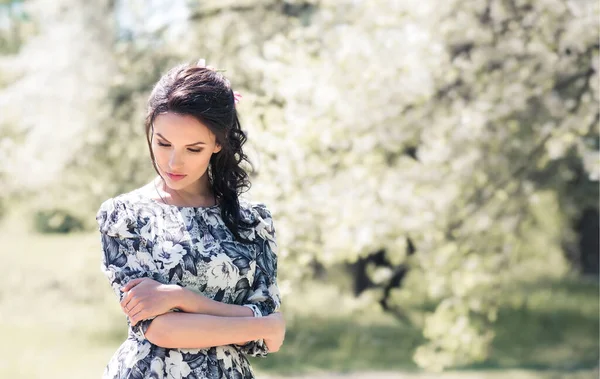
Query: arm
{"x":199,"y":331}
{"x":126,"y":253}
{"x":263,"y":296}
{"x":192,"y":302}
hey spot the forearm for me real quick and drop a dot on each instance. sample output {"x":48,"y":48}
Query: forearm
{"x":199,"y":331}
{"x":191,"y":302}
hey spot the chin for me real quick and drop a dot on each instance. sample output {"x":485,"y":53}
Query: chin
{"x":176,"y":185}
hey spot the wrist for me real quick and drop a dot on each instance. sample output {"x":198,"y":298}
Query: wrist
{"x":264,"y":326}
{"x":179,"y":297}
{"x":270,"y":326}
{"x":189,"y":301}
{"x":277,"y":325}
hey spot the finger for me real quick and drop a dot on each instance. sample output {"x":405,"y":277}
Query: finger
{"x":126,"y":308}
{"x":137,"y":316}
{"x":132,"y":283}
{"x":134,"y":309}
{"x":127,"y":299}
{"x":133,"y":303}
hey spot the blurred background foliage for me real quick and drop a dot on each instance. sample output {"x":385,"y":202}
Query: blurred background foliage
{"x":435,"y":164}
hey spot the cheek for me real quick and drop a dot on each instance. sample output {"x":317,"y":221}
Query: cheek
{"x":200,"y":161}
{"x":160,"y":155}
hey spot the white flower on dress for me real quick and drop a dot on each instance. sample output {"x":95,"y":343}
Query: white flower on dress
{"x":130,"y":354}
{"x":261,"y":230}
{"x":157,"y":368}
{"x":212,"y":219}
{"x":274,"y":291}
{"x":142,"y":351}
{"x":222,"y":273}
{"x":145,"y":232}
{"x":199,"y":246}
{"x":170,"y":255}
{"x":176,"y":367}
{"x":142,"y":261}
{"x":251,"y":271}
{"x":120,"y":228}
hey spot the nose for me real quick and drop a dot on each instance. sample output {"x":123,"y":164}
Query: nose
{"x":175,"y":162}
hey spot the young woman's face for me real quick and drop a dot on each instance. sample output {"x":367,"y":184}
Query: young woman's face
{"x":182,"y":146}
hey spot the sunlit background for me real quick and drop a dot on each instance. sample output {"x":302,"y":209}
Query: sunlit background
{"x":432,"y":167}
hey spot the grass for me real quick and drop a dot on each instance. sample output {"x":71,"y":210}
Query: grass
{"x":58,"y":319}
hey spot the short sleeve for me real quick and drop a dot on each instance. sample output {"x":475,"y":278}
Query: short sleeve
{"x":264,"y":297}
{"x":127,"y":254}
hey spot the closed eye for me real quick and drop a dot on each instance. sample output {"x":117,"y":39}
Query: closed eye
{"x":167,"y":145}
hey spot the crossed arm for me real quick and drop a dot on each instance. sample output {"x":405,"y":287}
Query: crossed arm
{"x":129,"y":265}
{"x":198,"y":331}
{"x":205,"y":323}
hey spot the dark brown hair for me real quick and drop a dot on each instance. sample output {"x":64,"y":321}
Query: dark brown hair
{"x":206,"y":95}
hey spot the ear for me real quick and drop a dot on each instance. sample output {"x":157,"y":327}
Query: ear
{"x":217,"y":148}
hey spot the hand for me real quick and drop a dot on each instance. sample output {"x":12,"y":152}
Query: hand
{"x":275,"y":340}
{"x":146,"y":298}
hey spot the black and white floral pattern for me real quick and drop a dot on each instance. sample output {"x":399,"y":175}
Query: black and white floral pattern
{"x":193,"y":248}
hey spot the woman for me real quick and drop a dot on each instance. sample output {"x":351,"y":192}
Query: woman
{"x":194,"y":266}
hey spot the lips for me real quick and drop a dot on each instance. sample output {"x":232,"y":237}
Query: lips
{"x":175,"y":176}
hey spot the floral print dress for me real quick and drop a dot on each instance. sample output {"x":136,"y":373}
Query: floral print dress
{"x":190,"y":247}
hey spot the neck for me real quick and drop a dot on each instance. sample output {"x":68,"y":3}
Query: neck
{"x":196,"y":193}
{"x":200,"y":188}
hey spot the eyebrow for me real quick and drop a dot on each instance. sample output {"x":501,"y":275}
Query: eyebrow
{"x":191,"y":144}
